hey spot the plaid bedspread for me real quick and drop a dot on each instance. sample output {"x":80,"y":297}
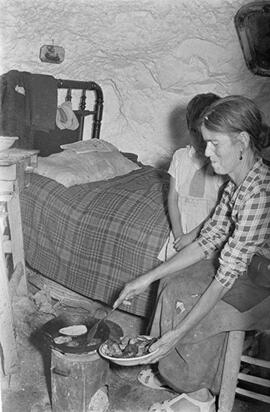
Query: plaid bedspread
{"x":93,"y":238}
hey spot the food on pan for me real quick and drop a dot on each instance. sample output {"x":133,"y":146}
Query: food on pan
{"x":74,"y":330}
{"x":128,"y":347}
{"x":59,"y":340}
{"x":94,"y":341}
{"x":73,"y":344}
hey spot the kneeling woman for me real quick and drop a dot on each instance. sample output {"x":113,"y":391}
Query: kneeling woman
{"x":201,"y":298}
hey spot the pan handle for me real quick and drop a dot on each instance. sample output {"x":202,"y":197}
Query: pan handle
{"x":61,"y":372}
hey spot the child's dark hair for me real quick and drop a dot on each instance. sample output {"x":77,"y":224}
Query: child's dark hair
{"x":265,"y":136}
{"x":195,"y":110}
{"x":196,"y":107}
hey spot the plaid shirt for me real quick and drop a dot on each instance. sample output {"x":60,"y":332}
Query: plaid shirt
{"x":240,"y":225}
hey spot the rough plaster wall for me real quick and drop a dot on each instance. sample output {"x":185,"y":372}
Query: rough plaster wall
{"x":149,"y":56}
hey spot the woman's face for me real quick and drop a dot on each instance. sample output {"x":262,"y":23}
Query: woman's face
{"x":222,"y":150}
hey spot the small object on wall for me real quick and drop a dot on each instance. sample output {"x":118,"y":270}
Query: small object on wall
{"x":252,"y":23}
{"x":49,"y":53}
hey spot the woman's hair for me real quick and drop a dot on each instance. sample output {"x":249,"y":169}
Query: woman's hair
{"x":236,"y":114}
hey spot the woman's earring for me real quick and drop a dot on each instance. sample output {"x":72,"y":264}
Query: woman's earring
{"x":241,"y":155}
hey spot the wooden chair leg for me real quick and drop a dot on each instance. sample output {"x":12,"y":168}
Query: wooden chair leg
{"x":231,"y":370}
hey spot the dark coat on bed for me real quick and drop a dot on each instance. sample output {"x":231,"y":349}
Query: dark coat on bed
{"x":28,"y":102}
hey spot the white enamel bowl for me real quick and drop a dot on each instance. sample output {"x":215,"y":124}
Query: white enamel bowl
{"x":125,"y":361}
{"x":6,"y":142}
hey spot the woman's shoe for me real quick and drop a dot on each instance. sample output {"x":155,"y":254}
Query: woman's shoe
{"x":184,"y":403}
{"x":149,"y":378}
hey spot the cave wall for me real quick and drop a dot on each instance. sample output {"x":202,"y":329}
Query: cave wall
{"x":150,"y":57}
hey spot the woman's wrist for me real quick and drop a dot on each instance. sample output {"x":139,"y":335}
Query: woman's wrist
{"x":155,"y":274}
{"x":149,"y":277}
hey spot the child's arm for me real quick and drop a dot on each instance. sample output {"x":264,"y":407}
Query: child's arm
{"x":174,"y":213}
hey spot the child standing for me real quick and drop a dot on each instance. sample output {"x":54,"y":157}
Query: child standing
{"x":194,"y":186}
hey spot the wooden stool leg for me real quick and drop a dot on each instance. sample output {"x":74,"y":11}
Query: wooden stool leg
{"x":8,"y":356}
{"x":17,"y":249}
{"x":230,"y":371}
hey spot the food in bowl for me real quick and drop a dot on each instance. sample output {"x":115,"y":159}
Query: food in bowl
{"x":128,"y":347}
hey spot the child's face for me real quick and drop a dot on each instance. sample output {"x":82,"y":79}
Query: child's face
{"x":197,"y":141}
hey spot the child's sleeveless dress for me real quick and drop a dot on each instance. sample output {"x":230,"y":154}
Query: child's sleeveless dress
{"x":197,"y":186}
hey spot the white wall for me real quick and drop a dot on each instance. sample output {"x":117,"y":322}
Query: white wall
{"x":149,"y":56}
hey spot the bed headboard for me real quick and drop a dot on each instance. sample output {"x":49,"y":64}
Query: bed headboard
{"x":48,"y":143}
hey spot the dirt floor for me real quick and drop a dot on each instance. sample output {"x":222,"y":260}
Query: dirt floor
{"x":28,"y":390}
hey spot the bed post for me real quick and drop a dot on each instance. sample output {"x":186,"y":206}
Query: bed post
{"x":98,"y":106}
{"x":98,"y":113}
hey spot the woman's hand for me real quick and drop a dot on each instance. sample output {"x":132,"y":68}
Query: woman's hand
{"x":131,"y":289}
{"x":169,"y":340}
{"x":163,"y":346}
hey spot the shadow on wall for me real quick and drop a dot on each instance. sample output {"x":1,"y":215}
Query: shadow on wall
{"x":178,"y":135}
{"x":178,"y":127}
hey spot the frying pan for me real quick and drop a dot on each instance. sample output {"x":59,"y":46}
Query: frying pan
{"x":106,"y":330}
